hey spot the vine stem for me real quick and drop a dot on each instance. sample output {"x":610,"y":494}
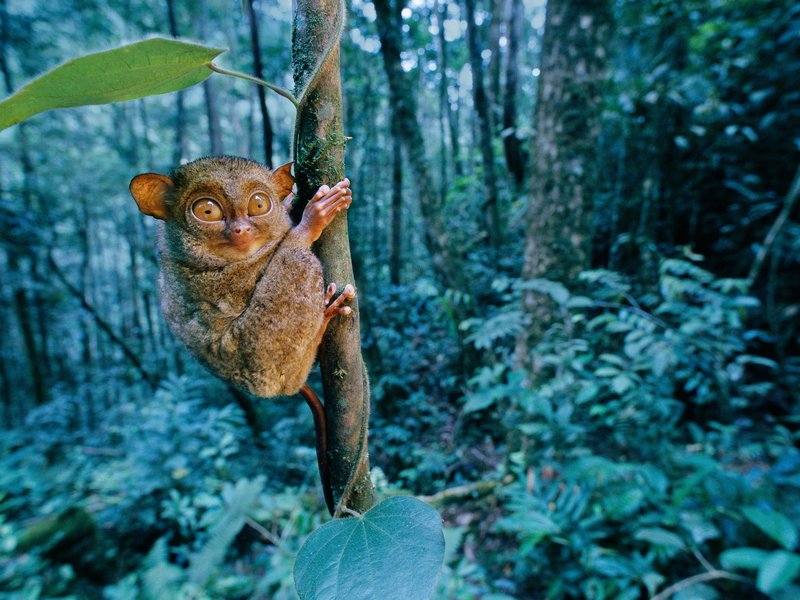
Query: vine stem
{"x":278,"y":90}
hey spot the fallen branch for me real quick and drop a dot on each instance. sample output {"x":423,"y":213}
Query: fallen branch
{"x":468,"y":490}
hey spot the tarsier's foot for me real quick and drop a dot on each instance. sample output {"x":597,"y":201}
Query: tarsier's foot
{"x":325,"y":205}
{"x":333,"y":306}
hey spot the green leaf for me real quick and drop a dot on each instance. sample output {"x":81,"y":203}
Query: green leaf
{"x":394,"y":550}
{"x":777,"y":526}
{"x":778,"y":569}
{"x":743,"y":558}
{"x":154,"y":66}
{"x":660,"y":537}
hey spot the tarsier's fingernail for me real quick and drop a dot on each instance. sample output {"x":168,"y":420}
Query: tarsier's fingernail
{"x":349,"y":289}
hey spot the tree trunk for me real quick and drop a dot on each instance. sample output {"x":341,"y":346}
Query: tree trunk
{"x":21,"y":302}
{"x":210,"y":93}
{"x":395,"y":250}
{"x":486,"y":128}
{"x":495,"y":62}
{"x":180,"y":111}
{"x":567,"y":122}
{"x":452,"y":120}
{"x":258,"y":71}
{"x":404,"y":104}
{"x":512,"y":145}
{"x":320,"y":159}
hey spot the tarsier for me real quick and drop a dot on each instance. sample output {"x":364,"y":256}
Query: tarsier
{"x":239,"y":284}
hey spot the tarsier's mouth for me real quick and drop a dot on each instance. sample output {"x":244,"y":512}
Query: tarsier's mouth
{"x":239,"y":249}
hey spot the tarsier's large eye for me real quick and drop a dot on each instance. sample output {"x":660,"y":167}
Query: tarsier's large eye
{"x":207,"y":209}
{"x":260,"y":204}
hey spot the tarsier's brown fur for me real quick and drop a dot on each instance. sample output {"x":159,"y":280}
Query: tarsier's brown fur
{"x":244,"y":293}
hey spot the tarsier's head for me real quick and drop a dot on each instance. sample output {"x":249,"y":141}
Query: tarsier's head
{"x":228,"y":206}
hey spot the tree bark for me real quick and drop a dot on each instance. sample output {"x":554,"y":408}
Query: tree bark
{"x":486,"y":128}
{"x":512,"y":145}
{"x":320,"y":159}
{"x":258,"y":71}
{"x":559,"y":235}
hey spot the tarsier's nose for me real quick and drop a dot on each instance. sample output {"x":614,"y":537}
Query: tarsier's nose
{"x":240,"y":232}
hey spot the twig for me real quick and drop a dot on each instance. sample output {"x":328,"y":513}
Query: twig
{"x":262,"y":531}
{"x":694,"y":580}
{"x":772,"y":235}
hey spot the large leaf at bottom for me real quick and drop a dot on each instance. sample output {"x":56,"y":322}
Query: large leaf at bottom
{"x":392,"y":552}
{"x":154,"y":66}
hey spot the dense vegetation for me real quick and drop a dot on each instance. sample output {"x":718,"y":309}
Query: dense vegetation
{"x":590,"y":364}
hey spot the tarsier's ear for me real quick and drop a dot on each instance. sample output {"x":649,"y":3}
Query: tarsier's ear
{"x":283,"y":177}
{"x":148,"y":190}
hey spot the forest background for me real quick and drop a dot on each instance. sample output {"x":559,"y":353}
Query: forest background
{"x":576,"y":247}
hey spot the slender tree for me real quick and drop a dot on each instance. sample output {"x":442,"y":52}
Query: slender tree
{"x":395,"y":248}
{"x":258,"y":71}
{"x":404,"y":103}
{"x":210,"y":94}
{"x":565,"y":177}
{"x":179,"y":151}
{"x":486,"y":128}
{"x":512,"y":145}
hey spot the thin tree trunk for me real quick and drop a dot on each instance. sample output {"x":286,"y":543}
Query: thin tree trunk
{"x":212,"y":113}
{"x":180,"y":111}
{"x":258,"y":71}
{"x":404,"y":103}
{"x":444,"y":103}
{"x":512,"y":145}
{"x":395,"y":253}
{"x":320,"y":159}
{"x":210,"y":94}
{"x":486,"y":128}
{"x":565,"y":162}
{"x":495,"y":62}
{"x":20,"y":299}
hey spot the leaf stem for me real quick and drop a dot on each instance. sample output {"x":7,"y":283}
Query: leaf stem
{"x":278,"y":90}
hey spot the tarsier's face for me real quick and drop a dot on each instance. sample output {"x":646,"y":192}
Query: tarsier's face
{"x":229,"y":206}
{"x":233,"y":217}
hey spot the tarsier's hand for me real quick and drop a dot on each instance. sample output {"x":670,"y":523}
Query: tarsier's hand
{"x":324,"y":206}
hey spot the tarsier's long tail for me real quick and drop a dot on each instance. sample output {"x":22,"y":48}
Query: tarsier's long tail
{"x":321,"y":431}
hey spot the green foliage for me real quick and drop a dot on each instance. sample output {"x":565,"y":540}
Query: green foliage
{"x":616,"y":490}
{"x":394,"y":550}
{"x":154,"y":66}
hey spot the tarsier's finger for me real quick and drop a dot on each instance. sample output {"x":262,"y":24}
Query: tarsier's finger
{"x":320,"y":194}
{"x":343,"y":185}
{"x":329,"y":293}
{"x":287,"y":202}
{"x":336,"y":307}
{"x":328,"y":205}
